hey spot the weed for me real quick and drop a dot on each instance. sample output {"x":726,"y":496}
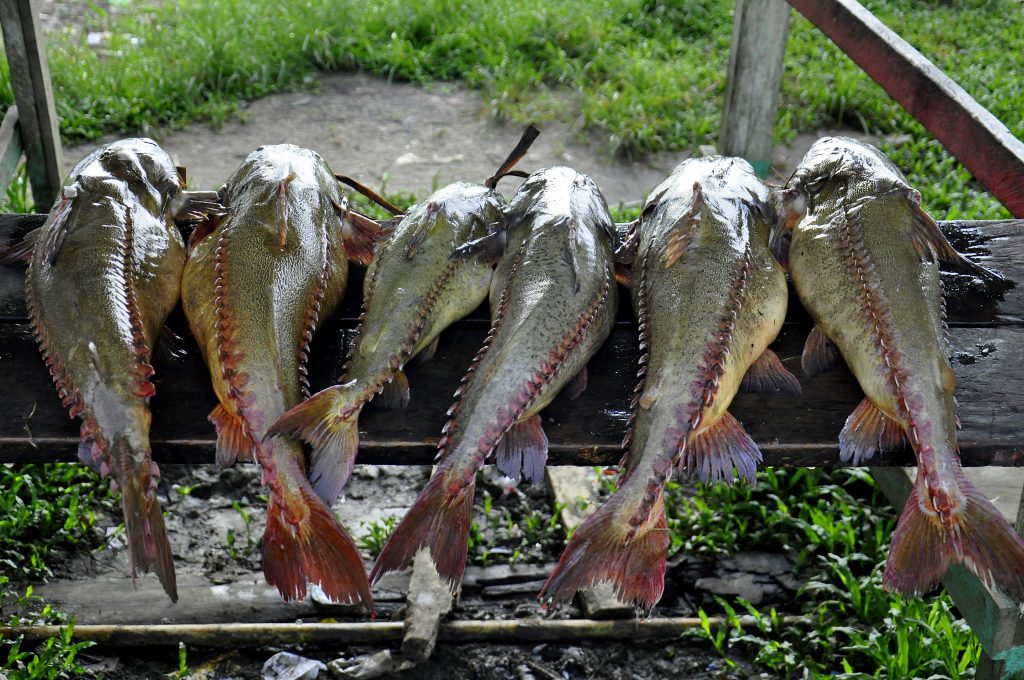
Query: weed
{"x":52,"y":659}
{"x":242,"y":553}
{"x":377,"y":534}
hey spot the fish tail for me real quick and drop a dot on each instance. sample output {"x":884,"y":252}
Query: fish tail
{"x":615,"y":548}
{"x":439,"y":521}
{"x":979,"y":537}
{"x":329,"y":422}
{"x":304,"y":542}
{"x":148,"y":545}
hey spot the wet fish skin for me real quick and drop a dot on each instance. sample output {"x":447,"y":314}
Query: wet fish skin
{"x":553,"y":301}
{"x":256,"y":286}
{"x":104,"y":274}
{"x":863,"y":257}
{"x":709,"y":299}
{"x":413,"y":290}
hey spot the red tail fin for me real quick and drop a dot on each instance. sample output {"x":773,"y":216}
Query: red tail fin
{"x":304,"y":542}
{"x":601,"y":549}
{"x":438,"y":520}
{"x":148,"y":545}
{"x":233,"y":442}
{"x":981,"y":538}
{"x":328,"y":421}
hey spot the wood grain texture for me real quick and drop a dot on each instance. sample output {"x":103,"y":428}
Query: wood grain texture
{"x":987,"y":336}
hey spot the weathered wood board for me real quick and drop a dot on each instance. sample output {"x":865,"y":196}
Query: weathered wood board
{"x":986,"y":332}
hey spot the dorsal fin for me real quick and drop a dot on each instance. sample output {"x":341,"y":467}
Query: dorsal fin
{"x":529,"y":136}
{"x":680,"y":234}
{"x":54,"y":236}
{"x":282,"y":208}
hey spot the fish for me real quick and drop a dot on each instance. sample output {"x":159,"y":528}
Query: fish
{"x":412,"y":291}
{"x":104,"y":273}
{"x":257,"y":284}
{"x":863,"y":255}
{"x":553,"y":300}
{"x":709,"y":298}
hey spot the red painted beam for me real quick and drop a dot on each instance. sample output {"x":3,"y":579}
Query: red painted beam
{"x":968,"y":130}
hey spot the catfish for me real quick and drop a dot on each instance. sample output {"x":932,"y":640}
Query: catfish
{"x":709,"y":299}
{"x":104,"y":273}
{"x":257,"y":284}
{"x":553,"y":300}
{"x":413,"y":290}
{"x":863,"y":255}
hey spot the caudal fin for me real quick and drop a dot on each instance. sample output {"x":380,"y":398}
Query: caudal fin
{"x":608,"y":547}
{"x":329,"y":422}
{"x":148,"y":546}
{"x":981,"y":538}
{"x":439,"y":521}
{"x":304,"y":542}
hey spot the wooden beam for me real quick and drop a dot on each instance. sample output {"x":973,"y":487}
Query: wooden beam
{"x":968,"y":130}
{"x":759,"y":33}
{"x":10,"y":149}
{"x":33,"y":94}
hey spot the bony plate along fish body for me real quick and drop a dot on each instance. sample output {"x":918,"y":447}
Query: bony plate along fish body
{"x":418,"y":284}
{"x":709,"y":299}
{"x":553,"y":302}
{"x":104,"y":273}
{"x":257,"y":284}
{"x":864,"y":260}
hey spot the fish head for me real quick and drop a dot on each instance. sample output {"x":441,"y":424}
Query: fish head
{"x":138,"y":165}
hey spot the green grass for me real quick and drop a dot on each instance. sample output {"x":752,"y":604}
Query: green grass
{"x":838,"y":525}
{"x":638,"y":75}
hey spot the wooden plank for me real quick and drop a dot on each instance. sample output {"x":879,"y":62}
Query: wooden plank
{"x":33,"y":94}
{"x":10,"y":149}
{"x":759,"y":33}
{"x":968,"y":130}
{"x":993,"y":617}
{"x":791,"y":431}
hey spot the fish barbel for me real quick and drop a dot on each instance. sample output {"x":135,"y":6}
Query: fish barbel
{"x":104,"y":273}
{"x":863,"y":256}
{"x":709,"y":299}
{"x":257,"y":283}
{"x":413,"y":290}
{"x":553,"y":301}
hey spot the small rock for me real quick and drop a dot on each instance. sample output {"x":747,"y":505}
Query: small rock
{"x":758,"y":563}
{"x":369,"y":666}
{"x":288,"y":666}
{"x":368,"y":471}
{"x":743,"y":585}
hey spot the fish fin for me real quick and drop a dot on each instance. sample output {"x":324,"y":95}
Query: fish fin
{"x":980,"y":537}
{"x":711,"y":454}
{"x":304,"y":542}
{"x":602,"y":550}
{"x":523,"y":450}
{"x":624,"y":275}
{"x":21,"y":252}
{"x":148,"y":545}
{"x":429,"y":351}
{"x":522,"y":146}
{"x":195,"y":206}
{"x":868,"y":430}
{"x":233,"y":442}
{"x":420,"y":235}
{"x":53,"y":237}
{"x":169,"y":345}
{"x":438,"y":521}
{"x":329,"y":422}
{"x":488,"y":248}
{"x":282,"y":208}
{"x":359,"y":233}
{"x":651,"y":393}
{"x":395,"y":394}
{"x":680,"y":235}
{"x":768,"y":375}
{"x":577,"y":385}
{"x":820,"y":354}
{"x":931,"y":244}
{"x":788,"y":207}
{"x":629,"y":244}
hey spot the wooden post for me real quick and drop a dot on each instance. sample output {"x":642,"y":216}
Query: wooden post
{"x":10,"y":148}
{"x":760,"y":29}
{"x":33,"y":94}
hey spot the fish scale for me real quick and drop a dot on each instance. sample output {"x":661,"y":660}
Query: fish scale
{"x":709,"y":299}
{"x":553,"y":301}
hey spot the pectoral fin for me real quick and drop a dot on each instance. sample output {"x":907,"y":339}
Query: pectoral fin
{"x":931,"y":244}
{"x":577,"y":385}
{"x":768,"y":375}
